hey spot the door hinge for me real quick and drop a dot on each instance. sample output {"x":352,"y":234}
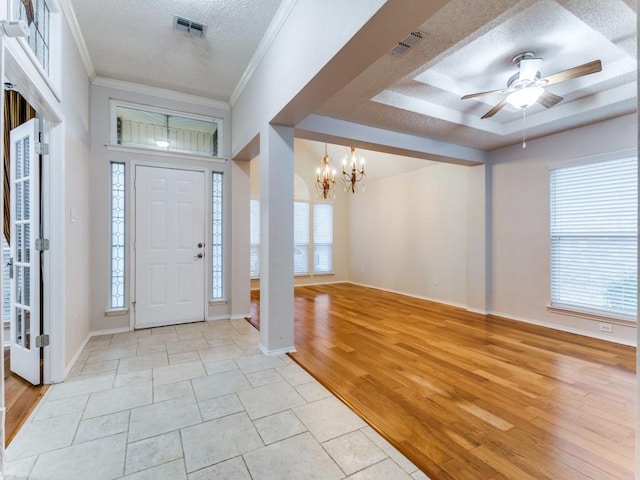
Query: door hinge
{"x":9,"y":265}
{"x":42,"y":341}
{"x":42,"y":148}
{"x":42,"y":244}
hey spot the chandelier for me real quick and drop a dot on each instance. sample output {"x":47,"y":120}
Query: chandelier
{"x":351,"y":174}
{"x":326,"y":176}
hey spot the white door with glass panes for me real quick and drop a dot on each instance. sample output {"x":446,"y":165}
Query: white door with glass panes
{"x":24,"y":264}
{"x":169,"y":246}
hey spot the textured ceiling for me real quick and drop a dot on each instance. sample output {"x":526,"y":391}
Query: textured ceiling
{"x":467,"y":48}
{"x":134,"y":40}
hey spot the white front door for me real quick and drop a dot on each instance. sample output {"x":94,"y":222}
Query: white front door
{"x":169,"y":246}
{"x":25,"y":259}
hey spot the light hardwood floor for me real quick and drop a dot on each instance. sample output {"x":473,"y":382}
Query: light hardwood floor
{"x":469,"y":397}
{"x":20,"y":399}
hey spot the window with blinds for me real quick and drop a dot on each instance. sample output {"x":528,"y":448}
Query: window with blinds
{"x":594,"y":238}
{"x":254,"y":239}
{"x":322,"y":238}
{"x":300,"y":238}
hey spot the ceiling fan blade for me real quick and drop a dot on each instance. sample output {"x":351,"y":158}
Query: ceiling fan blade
{"x":575,"y":72}
{"x":479,"y":94}
{"x":529,"y":68}
{"x":495,"y":109}
{"x":548,"y":99}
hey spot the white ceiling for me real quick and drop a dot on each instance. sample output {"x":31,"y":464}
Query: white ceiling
{"x":467,"y":48}
{"x":134,"y":40}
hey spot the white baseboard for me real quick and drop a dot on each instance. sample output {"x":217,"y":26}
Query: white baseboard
{"x":241,"y":317}
{"x":110,"y":331}
{"x":476,"y":310}
{"x":419,"y":297}
{"x":562,"y":328}
{"x":215,"y":318}
{"x":73,"y":361}
{"x":273,"y":353}
{"x":314,"y":284}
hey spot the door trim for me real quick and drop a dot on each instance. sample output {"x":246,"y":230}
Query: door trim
{"x":206,"y":165}
{"x":18,"y":69}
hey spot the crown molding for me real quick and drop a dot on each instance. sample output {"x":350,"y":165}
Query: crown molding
{"x":74,"y":26}
{"x":160,"y":92}
{"x":267,"y":39}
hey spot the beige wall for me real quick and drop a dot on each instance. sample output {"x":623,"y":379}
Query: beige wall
{"x":408,"y":233}
{"x":477,"y":237}
{"x":520,"y":226}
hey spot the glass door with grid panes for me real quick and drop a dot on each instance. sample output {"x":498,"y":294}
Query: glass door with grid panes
{"x":24,"y":263}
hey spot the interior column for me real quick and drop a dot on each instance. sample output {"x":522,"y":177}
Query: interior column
{"x":240,"y":294}
{"x":479,"y":239}
{"x":276,"y":240}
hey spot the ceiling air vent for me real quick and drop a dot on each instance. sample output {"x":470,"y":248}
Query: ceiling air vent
{"x":412,"y":39}
{"x":195,"y":29}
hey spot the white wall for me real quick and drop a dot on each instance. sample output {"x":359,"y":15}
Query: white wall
{"x":77,"y":173}
{"x":305,"y":164}
{"x":294,"y":57}
{"x":100,"y":187}
{"x":408,"y":233}
{"x":520,"y":226}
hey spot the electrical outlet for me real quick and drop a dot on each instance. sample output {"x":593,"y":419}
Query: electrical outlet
{"x":606,"y":327}
{"x":436,"y":281}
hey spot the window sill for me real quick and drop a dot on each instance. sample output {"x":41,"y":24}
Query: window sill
{"x":303,"y":275}
{"x":116,"y":312}
{"x":591,"y":316}
{"x":163,"y":153}
{"x":222,"y":301}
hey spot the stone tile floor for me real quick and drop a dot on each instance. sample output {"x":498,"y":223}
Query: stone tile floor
{"x":196,"y":401}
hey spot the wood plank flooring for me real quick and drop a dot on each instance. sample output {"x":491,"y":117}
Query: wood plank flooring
{"x":467,"y":397}
{"x":20,"y":399}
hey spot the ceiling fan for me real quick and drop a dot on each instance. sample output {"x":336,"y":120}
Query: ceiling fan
{"x":528,"y":87}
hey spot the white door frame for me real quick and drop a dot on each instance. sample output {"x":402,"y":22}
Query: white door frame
{"x":182,"y":162}
{"x":18,"y":68}
{"x":203,"y":261}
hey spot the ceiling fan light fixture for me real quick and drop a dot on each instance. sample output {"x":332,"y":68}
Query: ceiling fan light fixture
{"x":525,"y":97}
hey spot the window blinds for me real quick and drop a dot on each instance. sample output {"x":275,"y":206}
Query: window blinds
{"x":254,"y":239}
{"x":594,"y":238}
{"x":300,"y":237}
{"x":322,"y":238}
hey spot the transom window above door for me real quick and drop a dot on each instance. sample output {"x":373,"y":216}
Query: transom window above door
{"x":42,"y":44}
{"x":146,"y":127}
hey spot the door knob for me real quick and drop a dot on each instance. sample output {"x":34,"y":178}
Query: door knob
{"x":200,"y":245}
{"x":199,"y":255}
